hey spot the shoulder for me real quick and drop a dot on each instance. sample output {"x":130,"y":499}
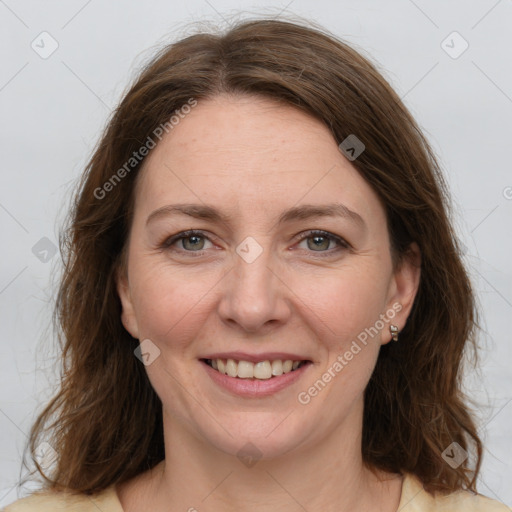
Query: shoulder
{"x":416,"y":499}
{"x":51,"y":501}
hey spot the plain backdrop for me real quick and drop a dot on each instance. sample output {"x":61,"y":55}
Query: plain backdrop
{"x":65,"y":65}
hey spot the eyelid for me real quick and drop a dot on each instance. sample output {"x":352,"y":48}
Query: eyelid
{"x":342,"y":243}
{"x":169,"y":241}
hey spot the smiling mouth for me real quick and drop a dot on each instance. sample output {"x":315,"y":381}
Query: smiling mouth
{"x":263,"y":370}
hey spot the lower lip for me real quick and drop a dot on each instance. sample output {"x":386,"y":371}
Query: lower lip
{"x":255,"y":388}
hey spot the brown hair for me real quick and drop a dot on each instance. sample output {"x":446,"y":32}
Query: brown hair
{"x":105,"y":422}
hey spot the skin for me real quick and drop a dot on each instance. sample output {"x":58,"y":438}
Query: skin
{"x":252,"y":159}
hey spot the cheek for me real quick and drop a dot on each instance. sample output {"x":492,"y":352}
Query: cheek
{"x":169,"y":303}
{"x":344,"y":309}
{"x":344,"y":303}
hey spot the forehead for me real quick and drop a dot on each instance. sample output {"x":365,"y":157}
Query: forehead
{"x":248,"y":152}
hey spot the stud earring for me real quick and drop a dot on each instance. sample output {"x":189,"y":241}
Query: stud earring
{"x":394,"y":332}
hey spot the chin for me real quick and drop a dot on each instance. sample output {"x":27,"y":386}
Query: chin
{"x":261,"y":435}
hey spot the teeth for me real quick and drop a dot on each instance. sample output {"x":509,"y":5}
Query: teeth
{"x":245,"y":370}
{"x":277,"y":367}
{"x":287,"y":366}
{"x":262,"y":370}
{"x":231,"y":368}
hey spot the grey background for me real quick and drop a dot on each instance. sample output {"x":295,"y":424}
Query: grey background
{"x":52,"y":110}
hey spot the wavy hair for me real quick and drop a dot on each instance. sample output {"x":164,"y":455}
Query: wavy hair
{"x":105,"y":422}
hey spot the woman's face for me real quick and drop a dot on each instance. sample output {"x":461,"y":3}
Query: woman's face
{"x":289,"y":259}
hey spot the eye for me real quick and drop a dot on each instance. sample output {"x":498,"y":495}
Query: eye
{"x":188,"y":241}
{"x":322,"y":241}
{"x":194,"y":241}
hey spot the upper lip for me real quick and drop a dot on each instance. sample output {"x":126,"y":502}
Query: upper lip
{"x":256,"y":358}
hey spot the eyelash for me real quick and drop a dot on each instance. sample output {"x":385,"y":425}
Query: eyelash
{"x":342,"y":244}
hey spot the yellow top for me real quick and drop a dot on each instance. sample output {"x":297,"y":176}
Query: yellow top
{"x":413,"y":499}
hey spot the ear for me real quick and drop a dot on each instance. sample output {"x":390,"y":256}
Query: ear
{"x":128,"y":317}
{"x":403,"y":288}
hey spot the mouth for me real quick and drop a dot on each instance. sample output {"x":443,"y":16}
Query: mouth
{"x":259,"y":370}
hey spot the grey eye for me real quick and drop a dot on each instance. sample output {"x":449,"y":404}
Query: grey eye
{"x":193,"y":242}
{"x":317,"y":242}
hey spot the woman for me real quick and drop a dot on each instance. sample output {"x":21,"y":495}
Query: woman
{"x":263,"y":295}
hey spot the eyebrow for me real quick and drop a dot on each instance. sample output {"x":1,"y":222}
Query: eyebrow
{"x":303,"y":212}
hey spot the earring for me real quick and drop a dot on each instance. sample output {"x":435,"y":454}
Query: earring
{"x":394,"y":332}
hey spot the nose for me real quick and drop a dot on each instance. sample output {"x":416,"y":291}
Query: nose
{"x":254,"y":298}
